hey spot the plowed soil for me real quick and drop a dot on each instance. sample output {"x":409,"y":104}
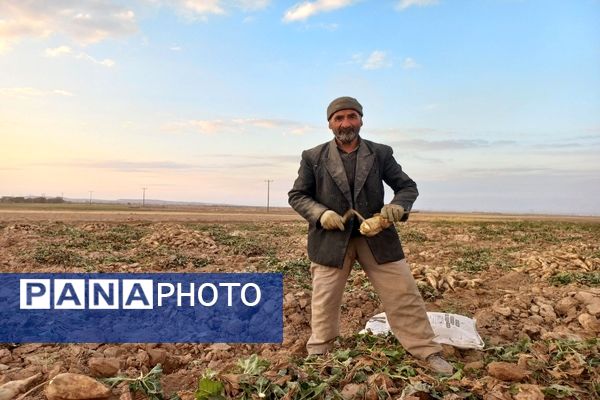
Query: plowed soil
{"x":532,"y":283}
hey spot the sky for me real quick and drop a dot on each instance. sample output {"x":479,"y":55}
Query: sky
{"x":489,"y":105}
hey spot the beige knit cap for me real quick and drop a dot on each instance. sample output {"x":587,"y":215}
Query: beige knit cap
{"x":343,"y":103}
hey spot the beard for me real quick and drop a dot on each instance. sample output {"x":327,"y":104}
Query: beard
{"x":346,"y":135}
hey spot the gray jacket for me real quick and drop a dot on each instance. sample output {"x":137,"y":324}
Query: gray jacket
{"x":322,"y":184}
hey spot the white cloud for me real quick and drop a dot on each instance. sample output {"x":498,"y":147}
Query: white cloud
{"x":449,"y":144}
{"x":409,"y":63}
{"x":251,"y":5}
{"x":404,"y":4}
{"x":63,"y":93}
{"x":57,"y":51}
{"x":237,"y":126}
{"x":84,"y":22}
{"x":206,"y":162}
{"x":303,"y":11}
{"x":92,"y":21}
{"x":29,"y":92}
{"x":200,"y":7}
{"x":207,"y":127}
{"x":300,"y":130}
{"x":377,"y":59}
{"x":107,"y":62}
{"x":64,"y":50}
{"x":175,"y":48}
{"x":328,"y":27}
{"x":21,"y":92}
{"x":131,"y":166}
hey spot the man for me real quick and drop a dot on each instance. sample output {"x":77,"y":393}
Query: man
{"x":348,"y":173}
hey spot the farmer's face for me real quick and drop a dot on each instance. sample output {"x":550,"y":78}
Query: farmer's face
{"x":345,"y":125}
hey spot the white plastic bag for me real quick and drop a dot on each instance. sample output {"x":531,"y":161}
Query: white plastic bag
{"x":453,"y":329}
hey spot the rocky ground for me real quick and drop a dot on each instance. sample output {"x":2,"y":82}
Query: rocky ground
{"x":533,"y":287}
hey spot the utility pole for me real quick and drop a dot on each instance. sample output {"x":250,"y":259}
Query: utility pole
{"x":268,"y":191}
{"x":144,"y":196}
{"x":91,"y":191}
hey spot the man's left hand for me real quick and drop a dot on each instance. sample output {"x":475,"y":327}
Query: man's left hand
{"x":392,"y":212}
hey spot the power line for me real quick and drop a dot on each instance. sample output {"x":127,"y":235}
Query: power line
{"x":268,"y":191}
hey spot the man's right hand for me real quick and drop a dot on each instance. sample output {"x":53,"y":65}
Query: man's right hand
{"x":392,"y":212}
{"x":331,"y":220}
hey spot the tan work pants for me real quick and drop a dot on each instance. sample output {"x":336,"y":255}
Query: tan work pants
{"x":396,"y":288}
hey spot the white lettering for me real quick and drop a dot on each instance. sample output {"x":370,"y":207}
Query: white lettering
{"x":162,"y":294}
{"x":229,"y":294}
{"x":181,"y":293}
{"x":256,"y":300}
{"x":201,"y":296}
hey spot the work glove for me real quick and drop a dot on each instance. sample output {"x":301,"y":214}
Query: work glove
{"x":331,"y":220}
{"x":392,"y":212}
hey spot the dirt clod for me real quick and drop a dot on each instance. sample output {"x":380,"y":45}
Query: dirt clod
{"x":104,"y":367}
{"x":69,"y":386}
{"x":507,"y":371}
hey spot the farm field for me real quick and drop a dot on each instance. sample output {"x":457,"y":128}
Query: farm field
{"x":531,"y":282}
